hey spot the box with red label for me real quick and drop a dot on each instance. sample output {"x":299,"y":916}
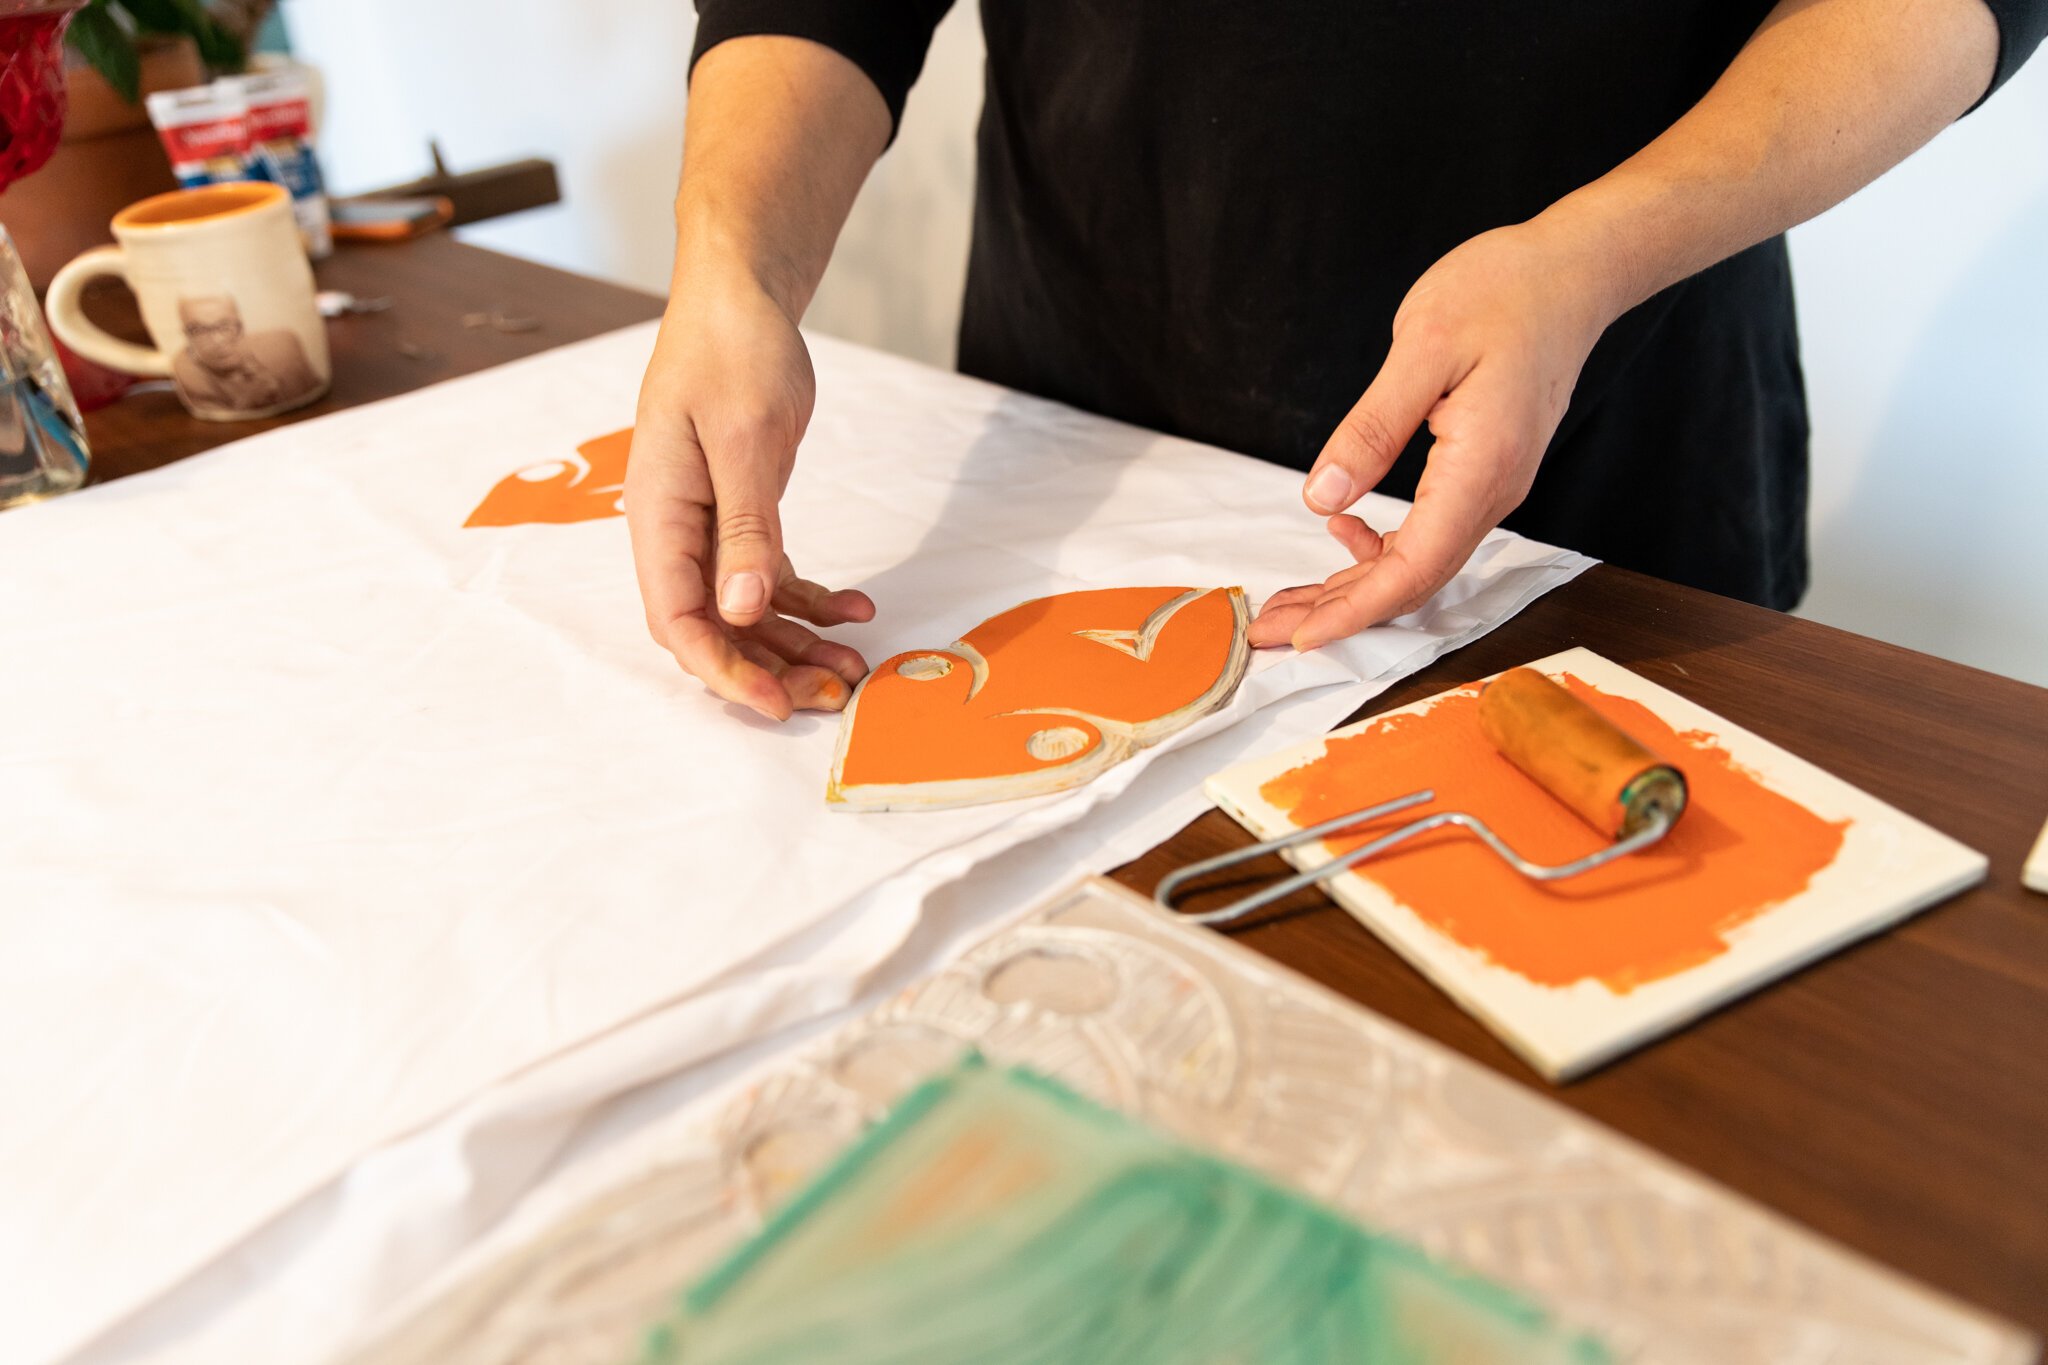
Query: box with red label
{"x":279,"y":118}
{"x":256,"y":127}
{"x":206,"y":131}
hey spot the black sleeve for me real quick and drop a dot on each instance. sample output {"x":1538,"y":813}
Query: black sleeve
{"x":2021,"y":26}
{"x":887,"y":39}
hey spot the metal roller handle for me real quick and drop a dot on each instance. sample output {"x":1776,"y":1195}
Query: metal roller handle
{"x":1659,"y":825}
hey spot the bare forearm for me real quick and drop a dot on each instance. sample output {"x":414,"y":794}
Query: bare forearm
{"x":779,"y":136}
{"x":1828,"y":95}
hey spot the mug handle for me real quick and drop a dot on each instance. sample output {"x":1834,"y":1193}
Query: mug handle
{"x":74,"y":329}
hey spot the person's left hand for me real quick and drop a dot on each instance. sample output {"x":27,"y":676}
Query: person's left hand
{"x":1486,"y":349}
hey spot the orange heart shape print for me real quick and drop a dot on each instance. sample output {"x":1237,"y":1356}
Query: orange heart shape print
{"x":587,"y":487}
{"x":1043,"y":697}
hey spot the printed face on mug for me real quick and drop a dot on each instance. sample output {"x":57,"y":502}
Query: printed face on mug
{"x":226,"y":293}
{"x":226,"y":366}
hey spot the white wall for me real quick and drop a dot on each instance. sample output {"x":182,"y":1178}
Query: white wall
{"x":597,"y":86}
{"x":1924,"y":300}
{"x":594,"y":85}
{"x":1924,"y":317}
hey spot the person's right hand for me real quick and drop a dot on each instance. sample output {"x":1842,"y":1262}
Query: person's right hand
{"x":724,"y":403}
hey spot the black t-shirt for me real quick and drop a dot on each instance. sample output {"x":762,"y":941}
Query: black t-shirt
{"x":1201,"y":216}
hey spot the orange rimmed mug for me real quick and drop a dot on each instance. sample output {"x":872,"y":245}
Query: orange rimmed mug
{"x":226,"y":294}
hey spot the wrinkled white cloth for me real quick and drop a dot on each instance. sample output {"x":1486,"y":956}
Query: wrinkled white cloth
{"x":323,"y":817}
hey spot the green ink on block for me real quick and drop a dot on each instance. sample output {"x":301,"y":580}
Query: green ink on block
{"x":996,"y":1217}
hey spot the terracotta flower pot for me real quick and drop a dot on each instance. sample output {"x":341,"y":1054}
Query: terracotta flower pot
{"x":109,"y":158}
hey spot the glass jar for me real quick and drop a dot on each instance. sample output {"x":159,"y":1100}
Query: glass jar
{"x":42,"y":438}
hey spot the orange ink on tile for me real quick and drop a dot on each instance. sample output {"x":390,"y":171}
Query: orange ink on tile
{"x":1739,"y":850}
{"x":587,"y":487}
{"x":1043,"y":686}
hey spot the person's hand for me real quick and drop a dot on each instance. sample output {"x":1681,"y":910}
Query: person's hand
{"x":1486,"y":349}
{"x":724,"y":403}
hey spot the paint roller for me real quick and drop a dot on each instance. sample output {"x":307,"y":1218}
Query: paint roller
{"x":1600,"y":774}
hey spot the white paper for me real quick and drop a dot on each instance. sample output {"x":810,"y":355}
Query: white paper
{"x":333,"y":812}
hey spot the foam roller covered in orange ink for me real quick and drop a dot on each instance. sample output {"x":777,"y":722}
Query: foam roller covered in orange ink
{"x":1609,"y":780}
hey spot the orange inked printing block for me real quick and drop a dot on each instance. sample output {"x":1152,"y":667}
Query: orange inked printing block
{"x":1041,"y":698}
{"x":587,"y":487}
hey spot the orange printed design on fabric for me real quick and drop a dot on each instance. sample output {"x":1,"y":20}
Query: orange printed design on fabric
{"x":1042,"y":697}
{"x":588,"y":487}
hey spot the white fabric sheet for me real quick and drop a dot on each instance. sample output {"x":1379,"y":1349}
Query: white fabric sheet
{"x":322,"y":813}
{"x":414,"y":1215}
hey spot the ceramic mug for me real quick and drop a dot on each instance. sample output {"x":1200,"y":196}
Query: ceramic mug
{"x":226,"y":293}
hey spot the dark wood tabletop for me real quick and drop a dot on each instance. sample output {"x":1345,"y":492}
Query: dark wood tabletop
{"x":1893,"y":1096}
{"x":439,"y":326}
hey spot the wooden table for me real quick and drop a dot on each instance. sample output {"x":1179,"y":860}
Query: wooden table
{"x":1894,"y":1096}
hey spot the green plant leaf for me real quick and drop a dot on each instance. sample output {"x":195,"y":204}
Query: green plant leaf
{"x":218,"y":48}
{"x":157,"y":16}
{"x":107,"y":49}
{"x":221,"y":49}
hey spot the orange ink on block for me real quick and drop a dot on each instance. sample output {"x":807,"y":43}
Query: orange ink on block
{"x":1041,"y":697}
{"x":588,"y":487}
{"x":1739,"y":850}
